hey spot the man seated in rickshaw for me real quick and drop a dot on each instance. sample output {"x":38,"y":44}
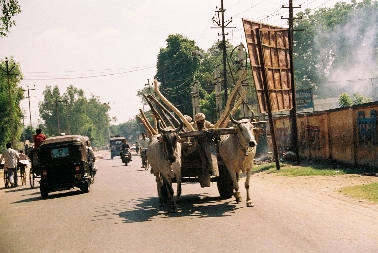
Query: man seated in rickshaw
{"x":38,"y":138}
{"x":90,"y":155}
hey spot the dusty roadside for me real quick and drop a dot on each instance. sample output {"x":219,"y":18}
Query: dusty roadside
{"x":322,"y":185}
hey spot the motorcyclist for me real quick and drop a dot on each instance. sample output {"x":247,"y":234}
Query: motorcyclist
{"x":125,"y":147}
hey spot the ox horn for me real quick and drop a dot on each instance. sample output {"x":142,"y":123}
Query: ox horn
{"x":253,"y":115}
{"x":233,"y":120}
{"x":160,"y":128}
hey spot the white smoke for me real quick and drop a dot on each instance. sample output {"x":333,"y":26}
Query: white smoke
{"x":359,"y":72}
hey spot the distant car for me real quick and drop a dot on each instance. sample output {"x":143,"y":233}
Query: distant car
{"x":133,"y":148}
{"x":115,"y":143}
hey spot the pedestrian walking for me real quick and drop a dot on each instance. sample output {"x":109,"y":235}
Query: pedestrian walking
{"x":137,"y":147}
{"x":11,"y":158}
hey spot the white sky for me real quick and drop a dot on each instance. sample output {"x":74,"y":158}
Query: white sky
{"x":109,"y":48}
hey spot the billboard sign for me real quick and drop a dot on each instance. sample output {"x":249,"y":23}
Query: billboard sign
{"x":304,"y":99}
{"x":272,"y":72}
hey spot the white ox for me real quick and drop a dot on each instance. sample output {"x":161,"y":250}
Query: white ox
{"x":164,"y":156}
{"x":238,"y":151}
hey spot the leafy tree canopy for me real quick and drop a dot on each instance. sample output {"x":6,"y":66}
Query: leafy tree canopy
{"x":345,"y":100}
{"x":73,"y":113}
{"x":182,"y":63}
{"x":176,"y":65}
{"x":9,"y":8}
{"x":11,"y":94}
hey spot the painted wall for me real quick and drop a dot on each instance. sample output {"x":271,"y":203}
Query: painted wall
{"x":348,"y":135}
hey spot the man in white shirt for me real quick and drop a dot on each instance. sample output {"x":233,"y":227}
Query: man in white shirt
{"x":10,"y":157}
{"x":90,"y":155}
{"x":143,"y":144}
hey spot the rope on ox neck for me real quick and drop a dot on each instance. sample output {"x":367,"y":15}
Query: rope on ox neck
{"x":245,"y":150}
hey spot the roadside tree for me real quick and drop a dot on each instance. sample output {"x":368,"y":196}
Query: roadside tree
{"x":9,"y":8}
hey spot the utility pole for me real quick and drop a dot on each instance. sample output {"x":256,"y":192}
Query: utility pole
{"x":68,"y":123}
{"x":218,"y":90}
{"x":195,"y":98}
{"x":242,"y":67}
{"x":293,"y":112}
{"x":23,"y":131}
{"x":57,"y":113}
{"x":28,"y":97}
{"x":107,"y":111}
{"x":9,"y":74}
{"x":149,"y":86}
{"x":220,"y":22}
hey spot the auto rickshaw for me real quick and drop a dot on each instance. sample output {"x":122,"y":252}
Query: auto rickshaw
{"x":63,"y":163}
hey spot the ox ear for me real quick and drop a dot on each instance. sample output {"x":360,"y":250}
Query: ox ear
{"x":258,"y":131}
{"x":179,"y":128}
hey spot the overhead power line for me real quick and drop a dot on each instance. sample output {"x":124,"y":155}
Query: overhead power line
{"x":46,"y":78}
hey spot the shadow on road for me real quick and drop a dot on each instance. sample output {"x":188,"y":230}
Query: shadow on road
{"x":36,"y":196}
{"x":196,"y":205}
{"x":16,"y":189}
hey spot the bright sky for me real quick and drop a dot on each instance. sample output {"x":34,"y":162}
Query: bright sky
{"x":109,"y":48}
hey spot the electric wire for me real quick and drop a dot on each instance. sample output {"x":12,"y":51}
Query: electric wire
{"x":48,"y":78}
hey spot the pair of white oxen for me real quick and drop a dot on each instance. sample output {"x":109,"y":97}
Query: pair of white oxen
{"x":236,"y":150}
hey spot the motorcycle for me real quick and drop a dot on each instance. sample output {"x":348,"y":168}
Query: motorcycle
{"x":125,"y":156}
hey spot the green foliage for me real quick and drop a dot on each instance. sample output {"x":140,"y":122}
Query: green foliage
{"x":366,"y":191}
{"x":345,"y":100}
{"x":131,"y":130}
{"x":9,"y":8}
{"x":73,"y":113}
{"x":27,"y":134}
{"x":182,"y":63}
{"x":208,"y":105}
{"x":359,"y":99}
{"x":10,"y":96}
{"x":176,"y":66}
{"x":307,"y":171}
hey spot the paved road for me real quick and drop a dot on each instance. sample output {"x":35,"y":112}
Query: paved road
{"x":121,"y":214}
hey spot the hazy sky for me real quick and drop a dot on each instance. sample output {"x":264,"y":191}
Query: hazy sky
{"x":109,"y":48}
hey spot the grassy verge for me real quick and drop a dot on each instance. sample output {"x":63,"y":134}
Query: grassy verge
{"x":302,"y":170}
{"x":368,"y":191}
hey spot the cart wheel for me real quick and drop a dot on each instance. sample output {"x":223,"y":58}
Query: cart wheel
{"x":85,"y":187}
{"x":31,"y":179}
{"x":6,"y":181}
{"x":23,"y":175}
{"x":224,"y":183}
{"x":44,"y":194}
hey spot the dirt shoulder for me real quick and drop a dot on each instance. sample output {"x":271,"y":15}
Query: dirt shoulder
{"x":322,"y":185}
